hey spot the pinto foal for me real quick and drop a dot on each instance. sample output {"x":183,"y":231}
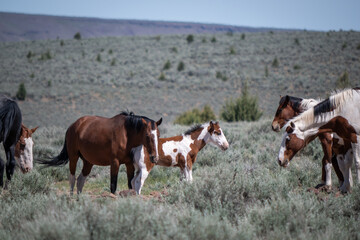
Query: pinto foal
{"x":179,"y":151}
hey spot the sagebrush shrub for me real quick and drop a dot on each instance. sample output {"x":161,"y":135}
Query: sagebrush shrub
{"x":167,"y":65}
{"x":275,"y":62}
{"x":181,"y":66}
{"x":190,"y":38}
{"x":196,"y":116}
{"x":343,"y":81}
{"x":244,"y":108}
{"x":77,"y":36}
{"x":21,"y":93}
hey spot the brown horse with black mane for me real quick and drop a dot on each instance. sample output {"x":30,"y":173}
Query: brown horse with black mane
{"x":106,"y":141}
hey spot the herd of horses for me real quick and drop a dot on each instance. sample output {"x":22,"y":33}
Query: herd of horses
{"x":135,"y":141}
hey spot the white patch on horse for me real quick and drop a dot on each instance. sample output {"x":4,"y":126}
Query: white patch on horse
{"x":328,"y":174}
{"x":141,"y":172}
{"x":340,"y":139}
{"x":183,"y":147}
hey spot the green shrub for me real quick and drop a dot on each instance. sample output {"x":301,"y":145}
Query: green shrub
{"x":266,"y":71}
{"x":244,"y":108}
{"x":196,"y":116}
{"x":113,"y":62}
{"x":232,"y":50}
{"x":343,"y":81}
{"x":167,"y":65}
{"x":275,"y":62}
{"x":203,"y":40}
{"x":30,"y":54}
{"x":230,"y":33}
{"x":344,"y":45}
{"x":243,"y":36}
{"x":77,"y":36}
{"x":296,"y":40}
{"x":62,"y":43}
{"x":297,"y":67}
{"x":190,"y":38}
{"x":358,"y":47}
{"x":110,"y":51}
{"x":213,"y":39}
{"x":32,"y":75}
{"x":45,"y":56}
{"x":181,"y":66}
{"x":221,"y":76}
{"x":157,"y":38}
{"x":174,"y":50}
{"x":162,"y":76}
{"x":21,"y":93}
{"x":98,"y":57}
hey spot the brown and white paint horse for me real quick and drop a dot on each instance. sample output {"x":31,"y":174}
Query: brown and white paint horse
{"x":290,"y":107}
{"x":340,"y":114}
{"x":106,"y":141}
{"x":24,"y":149}
{"x":179,"y":151}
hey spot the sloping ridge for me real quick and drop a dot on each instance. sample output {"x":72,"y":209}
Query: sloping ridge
{"x":19,"y":27}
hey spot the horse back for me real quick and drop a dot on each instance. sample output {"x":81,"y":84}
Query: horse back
{"x":10,"y":121}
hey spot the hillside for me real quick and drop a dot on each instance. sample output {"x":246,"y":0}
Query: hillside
{"x":66,"y":79}
{"x":20,"y":27}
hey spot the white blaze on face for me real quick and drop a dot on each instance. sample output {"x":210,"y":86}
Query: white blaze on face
{"x":283,"y":147}
{"x":219,"y":140}
{"x":154,"y":134}
{"x":26,"y":157}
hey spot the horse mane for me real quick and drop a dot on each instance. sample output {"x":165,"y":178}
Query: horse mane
{"x":332,"y":105}
{"x":9,"y":110}
{"x":193,"y":128}
{"x":308,"y":103}
{"x":135,"y":121}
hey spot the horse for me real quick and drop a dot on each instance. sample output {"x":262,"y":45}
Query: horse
{"x":106,"y":141}
{"x":290,"y":107}
{"x":178,"y":151}
{"x":339,"y":114}
{"x":16,"y":139}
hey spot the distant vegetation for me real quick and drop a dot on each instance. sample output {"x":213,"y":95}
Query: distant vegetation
{"x":167,"y":65}
{"x":196,"y":116}
{"x":21,"y":93}
{"x":77,"y":36}
{"x":343,"y":81}
{"x":275,"y":63}
{"x":181,"y":66}
{"x":190,"y":38}
{"x":244,"y":108}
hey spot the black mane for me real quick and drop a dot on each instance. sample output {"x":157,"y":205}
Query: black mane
{"x":323,"y":107}
{"x":295,"y":102}
{"x":10,"y":121}
{"x":192,"y":129}
{"x":135,"y":122}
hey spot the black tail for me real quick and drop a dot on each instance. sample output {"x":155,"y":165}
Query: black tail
{"x":59,"y":160}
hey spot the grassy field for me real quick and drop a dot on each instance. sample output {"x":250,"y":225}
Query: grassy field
{"x":238,"y":194}
{"x":241,"y":193}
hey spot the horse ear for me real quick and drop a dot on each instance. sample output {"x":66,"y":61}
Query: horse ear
{"x":211,"y":127}
{"x":34,"y":129}
{"x":159,"y":122}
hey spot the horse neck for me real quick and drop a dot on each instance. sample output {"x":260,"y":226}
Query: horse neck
{"x":200,"y":136}
{"x":135,"y":138}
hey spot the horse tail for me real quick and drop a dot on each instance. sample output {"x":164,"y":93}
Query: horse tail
{"x":59,"y":160}
{"x":10,"y":117}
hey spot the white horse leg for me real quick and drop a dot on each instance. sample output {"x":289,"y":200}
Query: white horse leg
{"x":143,"y":175}
{"x":356,"y":149}
{"x":346,"y":187}
{"x":80,"y":183}
{"x":328,"y":167}
{"x":72,"y":183}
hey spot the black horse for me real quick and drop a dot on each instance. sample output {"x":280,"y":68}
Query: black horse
{"x":10,"y":129}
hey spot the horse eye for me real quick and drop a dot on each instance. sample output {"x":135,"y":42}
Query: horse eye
{"x":218,"y":133}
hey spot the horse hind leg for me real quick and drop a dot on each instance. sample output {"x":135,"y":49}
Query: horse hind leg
{"x":82,"y":177}
{"x":2,"y":167}
{"x":10,"y":164}
{"x":73,"y":159}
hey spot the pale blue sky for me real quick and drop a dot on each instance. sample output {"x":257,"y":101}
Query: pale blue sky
{"x":301,"y":14}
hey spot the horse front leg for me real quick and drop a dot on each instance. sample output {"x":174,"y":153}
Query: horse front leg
{"x":2,"y":167}
{"x":10,"y":164}
{"x":130,"y":171}
{"x":326,"y":143}
{"x":114,"y":170}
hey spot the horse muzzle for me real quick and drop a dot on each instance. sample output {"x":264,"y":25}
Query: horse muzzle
{"x":283,"y":163}
{"x":275,"y":127}
{"x":224,"y":147}
{"x":153,"y":159}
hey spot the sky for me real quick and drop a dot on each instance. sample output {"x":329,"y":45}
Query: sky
{"x":320,"y":15}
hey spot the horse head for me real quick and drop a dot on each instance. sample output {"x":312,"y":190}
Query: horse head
{"x":24,"y":149}
{"x":293,"y":140}
{"x":217,"y":136}
{"x":151,"y":140}
{"x":284,"y":112}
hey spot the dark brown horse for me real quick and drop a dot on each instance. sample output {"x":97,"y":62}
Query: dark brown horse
{"x":290,"y":107}
{"x":106,"y":141}
{"x":16,"y":139}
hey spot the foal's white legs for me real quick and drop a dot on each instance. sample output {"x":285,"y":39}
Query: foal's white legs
{"x":186,"y":174}
{"x":345,"y":163}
